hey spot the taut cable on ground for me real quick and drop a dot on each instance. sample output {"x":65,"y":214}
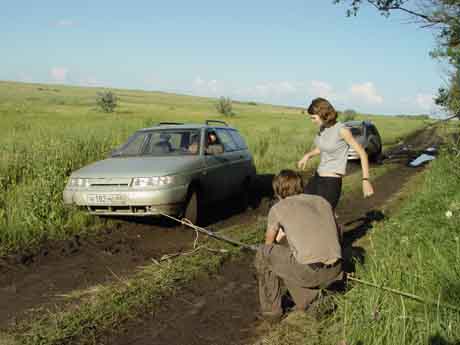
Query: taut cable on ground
{"x":189,"y":224}
{"x":419,"y":299}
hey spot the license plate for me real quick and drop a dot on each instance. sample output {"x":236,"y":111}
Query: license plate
{"x":105,"y":199}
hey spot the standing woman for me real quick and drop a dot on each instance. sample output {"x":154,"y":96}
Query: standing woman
{"x":331,"y":144}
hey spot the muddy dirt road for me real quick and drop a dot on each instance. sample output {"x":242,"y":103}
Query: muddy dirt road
{"x":43,"y":279}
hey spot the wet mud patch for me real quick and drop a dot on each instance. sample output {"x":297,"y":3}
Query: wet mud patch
{"x":45,"y":278}
{"x":220,"y":309}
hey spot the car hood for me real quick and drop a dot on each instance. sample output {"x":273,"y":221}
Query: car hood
{"x":139,"y":167}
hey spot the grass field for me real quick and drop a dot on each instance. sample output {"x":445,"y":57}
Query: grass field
{"x":46,"y":131}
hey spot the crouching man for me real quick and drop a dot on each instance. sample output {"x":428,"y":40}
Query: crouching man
{"x":312,"y":257}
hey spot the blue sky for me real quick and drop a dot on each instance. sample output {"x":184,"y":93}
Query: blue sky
{"x":265,"y":51}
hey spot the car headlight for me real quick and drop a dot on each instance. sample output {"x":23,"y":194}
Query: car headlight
{"x":154,"y":181}
{"x":79,"y":183}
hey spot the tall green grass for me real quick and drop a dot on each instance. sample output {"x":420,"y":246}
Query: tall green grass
{"x":47,"y":131}
{"x":418,"y":251}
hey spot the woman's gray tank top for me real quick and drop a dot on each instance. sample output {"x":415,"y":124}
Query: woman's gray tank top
{"x":334,"y":150}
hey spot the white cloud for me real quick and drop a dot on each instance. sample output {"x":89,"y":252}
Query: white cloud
{"x":203,"y":87}
{"x":366,"y":92}
{"x":59,"y":74}
{"x":65,"y":22}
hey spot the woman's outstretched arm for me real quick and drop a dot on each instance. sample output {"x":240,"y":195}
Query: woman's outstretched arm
{"x":303,"y":162}
{"x":345,"y":133}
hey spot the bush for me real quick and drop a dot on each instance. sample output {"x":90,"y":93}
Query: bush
{"x":107,"y":101}
{"x":224,"y":106}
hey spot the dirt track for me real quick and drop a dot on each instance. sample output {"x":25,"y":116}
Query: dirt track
{"x":223,"y":308}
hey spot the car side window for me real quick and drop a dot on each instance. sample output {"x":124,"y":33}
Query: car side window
{"x":240,"y":143}
{"x":226,"y":140}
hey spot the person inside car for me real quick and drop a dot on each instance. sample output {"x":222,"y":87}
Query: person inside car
{"x":194,"y":144}
{"x":212,"y":138}
{"x":213,"y":145}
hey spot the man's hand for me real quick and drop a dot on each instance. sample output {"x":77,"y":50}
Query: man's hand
{"x":281,"y":234}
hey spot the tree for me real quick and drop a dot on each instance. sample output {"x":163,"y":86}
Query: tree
{"x":107,"y":101}
{"x":444,"y":17}
{"x":224,"y":106}
{"x":449,"y":98}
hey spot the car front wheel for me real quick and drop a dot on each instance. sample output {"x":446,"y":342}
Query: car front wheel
{"x":191,"y":210}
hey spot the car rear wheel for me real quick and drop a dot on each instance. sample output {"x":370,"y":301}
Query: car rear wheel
{"x":375,"y":157}
{"x":191,"y":210}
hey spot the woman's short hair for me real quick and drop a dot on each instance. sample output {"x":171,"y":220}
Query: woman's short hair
{"x":287,"y":183}
{"x":321,"y":107}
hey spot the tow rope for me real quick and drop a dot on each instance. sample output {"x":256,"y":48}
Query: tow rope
{"x":210,"y":233}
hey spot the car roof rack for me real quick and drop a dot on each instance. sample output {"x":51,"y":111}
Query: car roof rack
{"x":216,"y":121}
{"x":169,"y":123}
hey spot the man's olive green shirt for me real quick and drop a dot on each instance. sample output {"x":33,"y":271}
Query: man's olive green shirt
{"x":309,"y":224}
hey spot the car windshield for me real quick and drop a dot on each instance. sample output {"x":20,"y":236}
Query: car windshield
{"x":161,"y":143}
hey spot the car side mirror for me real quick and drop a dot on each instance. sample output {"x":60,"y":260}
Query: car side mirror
{"x":215,"y":149}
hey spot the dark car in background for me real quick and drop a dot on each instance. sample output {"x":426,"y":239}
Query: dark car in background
{"x":365,"y":133}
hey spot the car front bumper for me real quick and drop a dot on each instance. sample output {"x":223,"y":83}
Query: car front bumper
{"x":128,"y":202}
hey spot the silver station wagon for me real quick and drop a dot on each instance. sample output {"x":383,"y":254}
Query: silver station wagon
{"x":172,"y":168}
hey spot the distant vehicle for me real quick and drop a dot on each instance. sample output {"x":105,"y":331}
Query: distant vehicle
{"x":368,"y":136}
{"x":171,"y":168}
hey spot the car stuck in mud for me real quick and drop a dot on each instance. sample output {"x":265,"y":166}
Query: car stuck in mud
{"x":171,"y":168}
{"x":367,"y":135}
